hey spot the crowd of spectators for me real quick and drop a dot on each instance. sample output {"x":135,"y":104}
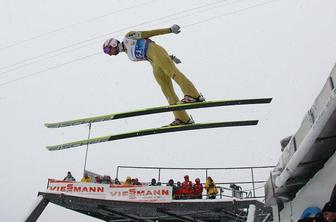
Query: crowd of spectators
{"x":130,"y":181}
{"x":181,"y":190}
{"x":189,"y":190}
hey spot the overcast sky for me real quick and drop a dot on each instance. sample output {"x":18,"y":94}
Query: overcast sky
{"x":52,"y":69}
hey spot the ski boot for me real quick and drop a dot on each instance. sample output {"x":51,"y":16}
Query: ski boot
{"x":189,"y":99}
{"x":178,"y":122}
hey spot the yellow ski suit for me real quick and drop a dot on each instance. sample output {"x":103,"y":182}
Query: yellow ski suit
{"x":211,"y":188}
{"x":86,"y":180}
{"x":139,"y":47}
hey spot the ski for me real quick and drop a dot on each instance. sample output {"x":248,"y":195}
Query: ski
{"x":145,"y":132}
{"x":159,"y":109}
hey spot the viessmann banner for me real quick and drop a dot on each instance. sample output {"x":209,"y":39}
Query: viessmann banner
{"x":112,"y":192}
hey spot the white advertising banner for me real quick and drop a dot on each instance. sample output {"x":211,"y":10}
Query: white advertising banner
{"x":112,"y":192}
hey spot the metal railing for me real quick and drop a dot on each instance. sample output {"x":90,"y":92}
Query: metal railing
{"x":241,"y":194}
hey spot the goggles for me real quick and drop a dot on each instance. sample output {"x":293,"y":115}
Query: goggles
{"x":107,"y":49}
{"x":111,"y":43}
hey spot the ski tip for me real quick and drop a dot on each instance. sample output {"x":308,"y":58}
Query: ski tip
{"x":60,"y":147}
{"x":59,"y":125}
{"x":67,"y":145}
{"x":52,"y":125}
{"x":51,"y":148}
{"x":57,"y":147}
{"x":48,"y":125}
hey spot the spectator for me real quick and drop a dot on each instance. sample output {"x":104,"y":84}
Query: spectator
{"x":171,"y":184}
{"x":211,"y":188}
{"x":98,"y":179}
{"x":106,"y":180}
{"x":153,"y":182}
{"x":69,"y":177}
{"x":198,"y":189}
{"x":236,"y":190}
{"x":86,"y":178}
{"x":128,"y":181}
{"x":109,"y":179}
{"x":187,"y":188}
{"x":116,"y":181}
{"x":178,"y":192}
{"x":329,"y":211}
{"x":136,"y":182}
{"x":311,"y":214}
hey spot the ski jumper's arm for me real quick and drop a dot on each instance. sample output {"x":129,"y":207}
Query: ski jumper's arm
{"x":147,"y":34}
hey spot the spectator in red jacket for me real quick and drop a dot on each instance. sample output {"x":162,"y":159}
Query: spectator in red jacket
{"x":187,"y":188}
{"x":198,"y":189}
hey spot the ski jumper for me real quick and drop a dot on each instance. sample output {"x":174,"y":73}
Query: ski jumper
{"x":139,"y":47}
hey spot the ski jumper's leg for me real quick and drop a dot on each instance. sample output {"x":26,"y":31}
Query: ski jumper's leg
{"x":159,"y":56}
{"x":168,"y":90}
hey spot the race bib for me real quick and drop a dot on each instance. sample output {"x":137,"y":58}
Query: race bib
{"x":140,"y":49}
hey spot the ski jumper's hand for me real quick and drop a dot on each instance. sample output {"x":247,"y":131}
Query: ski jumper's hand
{"x":175,"y":29}
{"x":147,"y":34}
{"x":136,"y":35}
{"x":175,"y":59}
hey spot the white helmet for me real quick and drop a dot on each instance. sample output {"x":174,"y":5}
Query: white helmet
{"x":110,"y":43}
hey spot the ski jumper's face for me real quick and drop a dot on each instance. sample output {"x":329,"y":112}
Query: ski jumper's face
{"x":329,"y":216}
{"x":113,"y":51}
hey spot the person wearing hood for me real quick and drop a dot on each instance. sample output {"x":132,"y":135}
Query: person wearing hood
{"x":174,"y":188}
{"x":137,"y":182}
{"x":153,"y":182}
{"x":128,"y":181}
{"x":138,"y":47}
{"x":311,"y":214}
{"x":187,"y":187}
{"x":211,"y":188}
{"x":106,"y":179}
{"x":198,"y":189}
{"x":116,"y":181}
{"x":178,"y":192}
{"x":86,"y":178}
{"x":69,"y":177}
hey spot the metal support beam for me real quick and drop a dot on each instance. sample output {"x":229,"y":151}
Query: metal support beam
{"x":234,"y":216}
{"x":37,"y":211}
{"x":179,"y":217}
{"x":128,"y":216}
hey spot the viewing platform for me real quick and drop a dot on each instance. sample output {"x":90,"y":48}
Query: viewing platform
{"x":111,"y":202}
